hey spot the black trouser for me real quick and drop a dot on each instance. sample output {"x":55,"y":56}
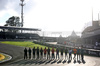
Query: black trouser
{"x":29,"y":56}
{"x":41,"y":55}
{"x":74,"y":56}
{"x":78,"y":56}
{"x":61,"y":55}
{"x":33,"y":55}
{"x":25,"y":56}
{"x":45,"y":55}
{"x":57,"y":55}
{"x":48,"y":56}
{"x":82,"y":57}
{"x":37,"y":55}
{"x":66,"y":56}
{"x":53,"y":55}
{"x":70,"y":56}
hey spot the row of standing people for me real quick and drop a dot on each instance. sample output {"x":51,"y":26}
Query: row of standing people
{"x":46,"y":53}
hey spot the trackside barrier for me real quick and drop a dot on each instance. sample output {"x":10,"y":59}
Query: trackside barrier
{"x":91,"y":52}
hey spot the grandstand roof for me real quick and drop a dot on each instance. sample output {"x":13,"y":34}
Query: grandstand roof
{"x":19,"y":28}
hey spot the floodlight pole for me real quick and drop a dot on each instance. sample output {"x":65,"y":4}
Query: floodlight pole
{"x":22,"y":4}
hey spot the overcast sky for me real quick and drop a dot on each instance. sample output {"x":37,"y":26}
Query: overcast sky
{"x":52,"y":15}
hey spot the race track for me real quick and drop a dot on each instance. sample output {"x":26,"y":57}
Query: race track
{"x":17,"y":60}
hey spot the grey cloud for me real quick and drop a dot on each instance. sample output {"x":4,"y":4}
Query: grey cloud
{"x":16,"y":5}
{"x":3,"y":4}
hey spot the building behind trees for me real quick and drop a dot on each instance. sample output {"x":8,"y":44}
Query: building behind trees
{"x":91,"y":34}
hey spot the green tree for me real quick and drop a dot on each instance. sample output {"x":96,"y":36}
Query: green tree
{"x":13,"y":21}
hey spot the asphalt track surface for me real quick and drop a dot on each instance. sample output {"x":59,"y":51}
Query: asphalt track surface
{"x":17,"y":59}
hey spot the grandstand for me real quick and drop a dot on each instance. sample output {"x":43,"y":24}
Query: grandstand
{"x":18,"y":33}
{"x":91,"y":34}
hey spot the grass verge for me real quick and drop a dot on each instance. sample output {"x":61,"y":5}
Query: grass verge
{"x":24,"y":44}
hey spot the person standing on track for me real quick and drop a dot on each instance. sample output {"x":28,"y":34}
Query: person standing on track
{"x":61,"y":53}
{"x":78,"y":53}
{"x":29,"y":53}
{"x":25,"y":53}
{"x":70,"y":54}
{"x":66,"y":53}
{"x":48,"y":53}
{"x":37,"y":52}
{"x":45,"y":51}
{"x":53,"y":56}
{"x":82,"y":53}
{"x":41,"y":53}
{"x":57,"y":53}
{"x":74,"y":50}
{"x":34,"y":52}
